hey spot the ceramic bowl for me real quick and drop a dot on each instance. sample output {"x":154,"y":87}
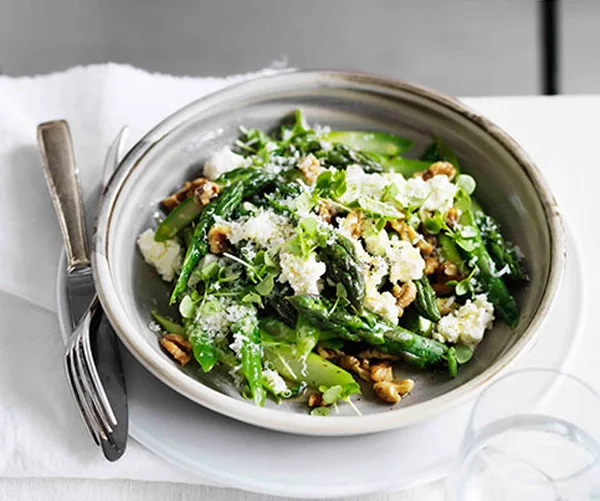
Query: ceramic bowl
{"x":509,"y":186}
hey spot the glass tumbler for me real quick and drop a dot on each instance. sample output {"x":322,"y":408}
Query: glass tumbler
{"x":533,"y":435}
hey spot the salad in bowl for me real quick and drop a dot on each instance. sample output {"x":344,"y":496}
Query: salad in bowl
{"x":307,"y":263}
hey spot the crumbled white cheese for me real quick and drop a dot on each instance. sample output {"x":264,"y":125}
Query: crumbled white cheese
{"x":164,"y":256}
{"x":222,"y":161}
{"x":376,"y":241}
{"x":302,"y":274}
{"x":467,"y":324}
{"x":434,"y":194}
{"x":405,"y":261}
{"x":383,"y":304}
{"x":375,"y":270}
{"x":239,"y":339}
{"x":217,"y":314}
{"x":441,"y":194}
{"x":274,"y":381}
{"x":265,"y":228}
{"x":360,"y":183}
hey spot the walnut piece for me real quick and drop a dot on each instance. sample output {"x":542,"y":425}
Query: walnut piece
{"x":207,"y":189}
{"x":325,"y":210}
{"x":431,"y":265}
{"x":353,"y":224}
{"x":408,"y":233}
{"x":205,"y":192}
{"x":315,"y":400}
{"x":405,"y":230}
{"x":217,"y":238}
{"x":370,"y":353}
{"x":405,"y":294}
{"x":353,"y":364}
{"x":446,"y":305}
{"x":452,"y":216}
{"x":382,"y":371}
{"x":393,"y":391}
{"x":449,"y":271}
{"x":178,"y":347}
{"x":328,"y":353}
{"x":310,"y":167}
{"x":440,"y":168}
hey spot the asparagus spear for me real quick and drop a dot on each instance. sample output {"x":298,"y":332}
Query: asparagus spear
{"x":371,"y":329}
{"x":425,"y":302}
{"x":229,"y":199}
{"x":501,"y":253}
{"x":371,"y":142}
{"x":477,"y":254}
{"x":344,"y":267}
{"x":251,"y":356}
{"x":180,"y":217}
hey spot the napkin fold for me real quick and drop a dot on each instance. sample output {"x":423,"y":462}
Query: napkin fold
{"x":42,"y":433}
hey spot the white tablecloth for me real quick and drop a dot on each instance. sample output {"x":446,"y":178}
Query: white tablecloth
{"x":560,"y":134}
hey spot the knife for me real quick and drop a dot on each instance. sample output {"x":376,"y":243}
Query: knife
{"x":61,"y":174}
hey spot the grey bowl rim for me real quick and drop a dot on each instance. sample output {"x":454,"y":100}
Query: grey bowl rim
{"x":294,"y":423}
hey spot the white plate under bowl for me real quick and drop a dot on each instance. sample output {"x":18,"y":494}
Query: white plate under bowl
{"x":235,"y":454}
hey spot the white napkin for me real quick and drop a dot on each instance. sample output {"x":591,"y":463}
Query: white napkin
{"x":42,"y":434}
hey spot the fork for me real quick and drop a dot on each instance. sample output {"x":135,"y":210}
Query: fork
{"x":81,"y":368}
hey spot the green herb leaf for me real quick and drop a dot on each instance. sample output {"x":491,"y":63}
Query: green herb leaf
{"x":375,"y":208}
{"x":432,"y":225}
{"x":331,"y":395}
{"x":265,"y":286}
{"x":463,"y":353}
{"x":462,"y":288}
{"x":320,"y":411}
{"x":466,"y":182}
{"x":252,"y":297}
{"x":187,"y":307}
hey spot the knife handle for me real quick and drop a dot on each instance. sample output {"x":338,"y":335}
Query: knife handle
{"x":56,"y":145}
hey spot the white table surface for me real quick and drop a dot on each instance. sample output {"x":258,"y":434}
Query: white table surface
{"x":561,"y":134}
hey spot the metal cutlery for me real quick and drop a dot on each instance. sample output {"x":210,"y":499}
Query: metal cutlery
{"x":92,"y":360}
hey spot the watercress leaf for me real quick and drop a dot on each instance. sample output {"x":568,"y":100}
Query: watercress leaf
{"x":320,"y":411}
{"x":463,"y":353}
{"x":462,"y":288}
{"x":310,"y":227}
{"x":375,"y":208}
{"x":324,"y":182}
{"x":432,"y":225}
{"x":390,"y":192}
{"x":269,"y":261}
{"x":466,"y":182}
{"x":265,"y":286}
{"x":339,"y":186}
{"x":332,"y":394}
{"x":252,"y":297}
{"x":187,"y":307}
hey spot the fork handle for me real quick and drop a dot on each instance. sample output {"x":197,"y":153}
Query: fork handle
{"x":56,"y":145}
